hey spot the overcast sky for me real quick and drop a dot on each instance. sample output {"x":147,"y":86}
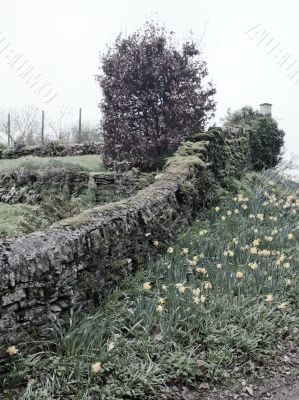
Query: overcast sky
{"x":251,"y":48}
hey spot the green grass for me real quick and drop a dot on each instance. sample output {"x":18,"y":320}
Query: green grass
{"x":199,"y":312}
{"x":10,"y":217}
{"x":92,"y":163}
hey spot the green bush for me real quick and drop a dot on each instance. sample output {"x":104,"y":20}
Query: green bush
{"x":266,"y":139}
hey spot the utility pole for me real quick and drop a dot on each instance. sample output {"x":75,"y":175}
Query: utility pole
{"x":43,"y":128}
{"x":79,"y":130}
{"x":8,"y":130}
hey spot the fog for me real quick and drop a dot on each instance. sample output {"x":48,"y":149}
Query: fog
{"x":250,"y":47}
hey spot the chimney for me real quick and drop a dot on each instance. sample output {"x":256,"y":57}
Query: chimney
{"x":266,"y":109}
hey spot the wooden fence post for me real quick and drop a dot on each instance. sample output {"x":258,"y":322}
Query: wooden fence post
{"x":43,"y":127}
{"x":79,"y":130}
{"x":8,"y":130}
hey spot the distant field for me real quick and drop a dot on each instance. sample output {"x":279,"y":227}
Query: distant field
{"x":92,"y":163}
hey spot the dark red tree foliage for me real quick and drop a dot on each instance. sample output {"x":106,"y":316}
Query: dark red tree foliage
{"x":154,"y":96}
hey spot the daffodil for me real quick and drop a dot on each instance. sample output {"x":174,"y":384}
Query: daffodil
{"x":201,"y":270}
{"x":264,"y":252}
{"x":159,"y":308}
{"x":208,"y":285}
{"x":181,"y":288}
{"x":253,"y":266}
{"x":12,"y":350}
{"x":253,"y":250}
{"x":147,"y":286}
{"x":202,"y":232}
{"x":260,"y":217}
{"x":196,"y":292}
{"x":269,"y":298}
{"x":96,"y":368}
{"x":282,"y":306}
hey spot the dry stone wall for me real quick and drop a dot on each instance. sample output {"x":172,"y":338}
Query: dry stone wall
{"x":77,"y":262}
{"x":112,"y":186}
{"x":52,"y":149}
{"x":21,"y":186}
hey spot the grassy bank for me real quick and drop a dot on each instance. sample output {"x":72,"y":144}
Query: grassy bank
{"x":12,"y":216}
{"x":214,"y":304}
{"x":92,"y":163}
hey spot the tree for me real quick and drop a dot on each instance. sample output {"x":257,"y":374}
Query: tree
{"x":266,"y":139}
{"x":90,"y":132}
{"x":3,"y":126}
{"x":242,"y":117}
{"x":154,"y":96}
{"x":60,"y":126}
{"x":26,"y":124}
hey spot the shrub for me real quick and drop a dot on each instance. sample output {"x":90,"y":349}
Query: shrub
{"x":53,"y":208}
{"x":266,"y":142}
{"x":154,"y":96}
{"x":266,"y":139}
